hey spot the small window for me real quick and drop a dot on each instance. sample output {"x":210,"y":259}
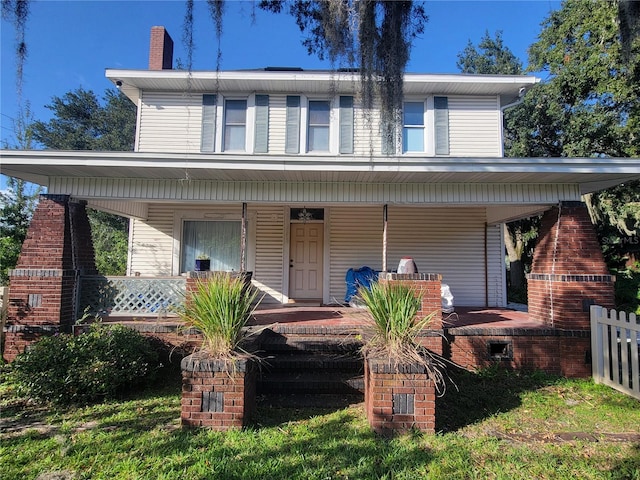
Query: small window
{"x":219,"y":240}
{"x":235,"y":125}
{"x":319,"y":118}
{"x":413,"y":127}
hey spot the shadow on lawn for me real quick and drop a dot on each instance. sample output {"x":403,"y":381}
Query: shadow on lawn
{"x":480,"y":395}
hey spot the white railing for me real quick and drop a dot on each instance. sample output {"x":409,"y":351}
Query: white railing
{"x":127,"y":296}
{"x":615,"y":347}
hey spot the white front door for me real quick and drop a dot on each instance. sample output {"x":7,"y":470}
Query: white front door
{"x":305,"y":261}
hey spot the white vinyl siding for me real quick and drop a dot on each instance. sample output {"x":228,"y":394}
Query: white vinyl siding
{"x":474,"y":127}
{"x":355,"y":240}
{"x":170,"y":122}
{"x":496,"y":292}
{"x":268,"y":274}
{"x":449,"y":241}
{"x":151,"y":242}
{"x":277,"y":123}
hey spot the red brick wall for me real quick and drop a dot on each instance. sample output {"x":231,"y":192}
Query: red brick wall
{"x":57,"y":248}
{"x":383,"y":382}
{"x":552,"y":353}
{"x":236,"y":385}
{"x":568,"y":271}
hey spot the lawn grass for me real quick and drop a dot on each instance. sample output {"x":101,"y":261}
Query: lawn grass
{"x":499,"y":425}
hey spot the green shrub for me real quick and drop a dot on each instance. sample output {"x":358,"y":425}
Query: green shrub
{"x":396,"y":327}
{"x":219,"y":307}
{"x":105,"y":362}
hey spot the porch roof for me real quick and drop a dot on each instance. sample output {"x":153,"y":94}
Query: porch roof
{"x":591,"y":174}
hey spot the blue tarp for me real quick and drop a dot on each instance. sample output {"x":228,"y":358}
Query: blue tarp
{"x":361,"y":277}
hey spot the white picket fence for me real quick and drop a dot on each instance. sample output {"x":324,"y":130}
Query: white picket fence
{"x":615,"y":347}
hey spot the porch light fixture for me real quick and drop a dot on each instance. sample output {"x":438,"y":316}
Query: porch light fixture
{"x":304,"y":215}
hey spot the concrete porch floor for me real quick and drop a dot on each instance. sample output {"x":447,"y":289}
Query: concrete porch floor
{"x":353,"y":318}
{"x":344,"y":319}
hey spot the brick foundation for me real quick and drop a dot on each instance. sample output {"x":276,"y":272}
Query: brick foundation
{"x":558,"y":352}
{"x":216,"y":394}
{"x":42,"y":287}
{"x":398,"y":398}
{"x":568,"y":273}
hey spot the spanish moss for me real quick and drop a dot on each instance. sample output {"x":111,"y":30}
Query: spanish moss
{"x":216,"y":11}
{"x":17,"y":12}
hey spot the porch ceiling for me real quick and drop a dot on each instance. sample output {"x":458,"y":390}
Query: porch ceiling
{"x":591,"y":174}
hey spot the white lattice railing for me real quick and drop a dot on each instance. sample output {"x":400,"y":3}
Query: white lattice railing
{"x":112,"y":296}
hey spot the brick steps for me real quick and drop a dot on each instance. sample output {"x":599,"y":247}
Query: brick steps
{"x":301,"y":369}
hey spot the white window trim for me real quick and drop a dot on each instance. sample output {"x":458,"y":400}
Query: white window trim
{"x":334,"y":124}
{"x":425,"y":126}
{"x":250,"y":122}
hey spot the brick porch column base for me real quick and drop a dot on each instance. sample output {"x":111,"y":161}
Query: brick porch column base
{"x":399,"y":398}
{"x":57,"y":249}
{"x":426,"y":285}
{"x":217,"y":394}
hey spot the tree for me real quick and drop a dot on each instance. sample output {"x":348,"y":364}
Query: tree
{"x":81,"y":122}
{"x":594,"y":108}
{"x":491,"y":57}
{"x":18,"y":202}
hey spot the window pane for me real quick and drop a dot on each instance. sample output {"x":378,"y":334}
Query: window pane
{"x":413,"y":140}
{"x":414,"y":113}
{"x":318,"y":113}
{"x":218,"y":239}
{"x":236,"y":112}
{"x":319,"y":139}
{"x":234,"y":137}
{"x":235,"y":117}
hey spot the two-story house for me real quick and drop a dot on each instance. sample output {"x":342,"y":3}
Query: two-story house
{"x":283,"y":173}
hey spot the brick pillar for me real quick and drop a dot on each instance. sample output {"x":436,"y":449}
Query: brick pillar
{"x":42,"y":287}
{"x":427,"y":286}
{"x":399,"y":397}
{"x":568,"y":273}
{"x":217,"y":394}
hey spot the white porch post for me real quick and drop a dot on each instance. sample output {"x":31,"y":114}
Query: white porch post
{"x":243,"y":239}
{"x":384,"y":237}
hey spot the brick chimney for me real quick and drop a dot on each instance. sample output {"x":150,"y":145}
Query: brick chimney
{"x":160,"y":49}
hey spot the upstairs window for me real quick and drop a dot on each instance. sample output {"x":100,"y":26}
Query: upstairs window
{"x":319,"y":121}
{"x":235,"y":125}
{"x":413,"y":127}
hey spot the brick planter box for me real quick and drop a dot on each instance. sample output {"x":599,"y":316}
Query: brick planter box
{"x":398,"y":398}
{"x":216,"y":393}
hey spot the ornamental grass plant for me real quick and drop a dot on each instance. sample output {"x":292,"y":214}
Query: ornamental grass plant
{"x":220,"y":306}
{"x":396,"y":328}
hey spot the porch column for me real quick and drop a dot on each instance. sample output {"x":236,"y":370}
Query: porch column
{"x":42,"y":289}
{"x":568,"y":273}
{"x":427,"y":287}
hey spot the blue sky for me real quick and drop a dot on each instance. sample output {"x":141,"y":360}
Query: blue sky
{"x":72,"y":42}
